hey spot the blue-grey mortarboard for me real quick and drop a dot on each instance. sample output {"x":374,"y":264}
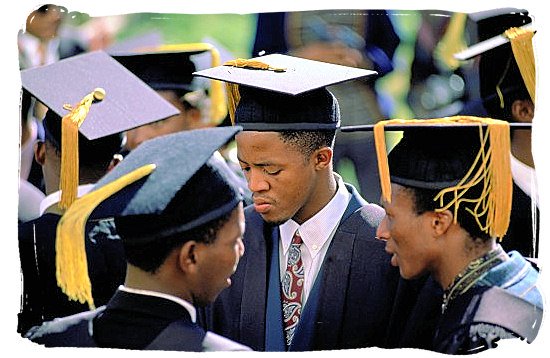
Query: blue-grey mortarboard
{"x":165,"y":187}
{"x":91,"y":99}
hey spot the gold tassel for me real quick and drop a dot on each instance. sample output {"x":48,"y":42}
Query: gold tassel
{"x":218,"y":108}
{"x":70,"y":124}
{"x":71,"y":263}
{"x":491,"y":166}
{"x":232,"y":89}
{"x":522,"y":47}
{"x":451,"y":42}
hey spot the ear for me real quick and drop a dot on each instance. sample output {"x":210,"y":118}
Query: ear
{"x":187,"y":259}
{"x":440,"y":222}
{"x":523,"y":110}
{"x":40,"y":152}
{"x":322,"y":158}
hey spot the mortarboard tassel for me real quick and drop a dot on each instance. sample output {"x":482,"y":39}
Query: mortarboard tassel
{"x":452,"y":42}
{"x":70,"y":124}
{"x":522,"y":47}
{"x":71,"y":263}
{"x":492,"y":167}
{"x":233,"y":95}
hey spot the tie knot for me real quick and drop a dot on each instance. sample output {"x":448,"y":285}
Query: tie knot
{"x":296,"y":239}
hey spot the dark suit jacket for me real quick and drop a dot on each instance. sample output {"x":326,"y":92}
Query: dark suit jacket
{"x":356,"y":287}
{"x":42,"y":299}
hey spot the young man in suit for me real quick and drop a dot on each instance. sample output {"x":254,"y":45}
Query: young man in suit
{"x":313,"y":277}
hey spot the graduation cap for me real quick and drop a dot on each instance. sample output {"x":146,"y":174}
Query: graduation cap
{"x":165,"y":187}
{"x":280,"y":92}
{"x":91,"y":98}
{"x":170,"y":67}
{"x":455,"y":156}
{"x":507,"y":63}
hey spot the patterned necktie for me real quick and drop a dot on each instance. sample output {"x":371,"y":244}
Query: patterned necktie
{"x":291,"y":288}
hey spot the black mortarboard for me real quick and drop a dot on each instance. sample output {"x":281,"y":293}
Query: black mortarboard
{"x":171,"y":67}
{"x":280,"y":92}
{"x":451,"y":155}
{"x":91,"y":98}
{"x":167,"y":186}
{"x":505,"y":74}
{"x":161,"y":70}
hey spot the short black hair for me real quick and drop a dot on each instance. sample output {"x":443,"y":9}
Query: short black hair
{"x":150,"y":256}
{"x":423,"y":200}
{"x":309,"y":141}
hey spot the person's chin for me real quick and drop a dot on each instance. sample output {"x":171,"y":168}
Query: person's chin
{"x":273,"y":221}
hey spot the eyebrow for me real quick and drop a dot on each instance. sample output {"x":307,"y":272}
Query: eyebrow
{"x":257,"y":164}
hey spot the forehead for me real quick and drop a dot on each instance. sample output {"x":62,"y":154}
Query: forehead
{"x":264,"y":146}
{"x":401,"y":199}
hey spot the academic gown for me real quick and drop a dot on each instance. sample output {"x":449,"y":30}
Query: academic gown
{"x":351,"y":302}
{"x":128,"y":321}
{"x":42,"y":299}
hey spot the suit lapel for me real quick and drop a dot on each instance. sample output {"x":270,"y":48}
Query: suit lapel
{"x":323,"y":312}
{"x":254,"y":281}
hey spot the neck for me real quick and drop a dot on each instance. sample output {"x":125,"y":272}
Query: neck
{"x":328,"y":187}
{"x":521,"y":147}
{"x":456,"y":257}
{"x":157,"y":282}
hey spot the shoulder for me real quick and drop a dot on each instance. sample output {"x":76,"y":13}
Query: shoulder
{"x":70,"y":331}
{"x":365,"y":217}
{"x":484,"y":315}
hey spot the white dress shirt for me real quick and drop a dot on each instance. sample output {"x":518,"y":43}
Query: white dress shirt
{"x":55,"y":197}
{"x":524,"y":176}
{"x":316,"y":234}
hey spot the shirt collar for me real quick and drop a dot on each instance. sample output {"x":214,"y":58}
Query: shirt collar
{"x":188,"y":306}
{"x":54,"y":197}
{"x":318,"y":229}
{"x":524,"y":177}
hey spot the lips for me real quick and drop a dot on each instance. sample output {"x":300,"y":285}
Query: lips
{"x":261,"y":206}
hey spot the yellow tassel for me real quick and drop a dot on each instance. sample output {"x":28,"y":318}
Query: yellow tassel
{"x":451,"y":42}
{"x":491,"y":167}
{"x":522,"y":47}
{"x":71,"y":263}
{"x":70,"y":124}
{"x":218,"y":108}
{"x":232,"y":89}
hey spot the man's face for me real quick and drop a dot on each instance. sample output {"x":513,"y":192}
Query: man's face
{"x":407,"y":234}
{"x":219,"y":259}
{"x":281,"y":179}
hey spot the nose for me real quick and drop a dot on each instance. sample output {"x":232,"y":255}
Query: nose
{"x":256,"y":181}
{"x":382,"y":232}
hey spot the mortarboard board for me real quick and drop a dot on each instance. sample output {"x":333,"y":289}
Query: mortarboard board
{"x":280,"y":92}
{"x":171,"y":67}
{"x":452,"y":155}
{"x":91,"y":98}
{"x":507,"y":64}
{"x":167,"y":186}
